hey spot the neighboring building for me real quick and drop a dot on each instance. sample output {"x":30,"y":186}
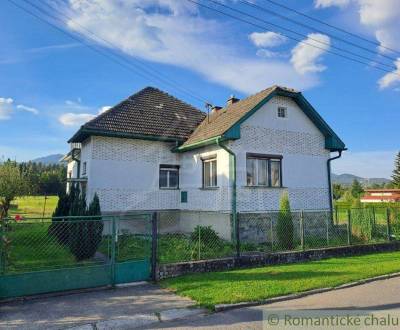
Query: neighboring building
{"x":155,"y":152}
{"x":381,"y":195}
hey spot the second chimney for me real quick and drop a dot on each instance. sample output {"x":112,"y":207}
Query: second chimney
{"x":232,"y":99}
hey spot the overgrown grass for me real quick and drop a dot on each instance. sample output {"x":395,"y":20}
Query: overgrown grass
{"x":210,"y":289}
{"x":33,"y":206}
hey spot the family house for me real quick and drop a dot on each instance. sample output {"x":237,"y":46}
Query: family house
{"x":153,"y":151}
{"x":381,"y":196}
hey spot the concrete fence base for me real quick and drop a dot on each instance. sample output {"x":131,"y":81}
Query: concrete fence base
{"x":262,"y":259}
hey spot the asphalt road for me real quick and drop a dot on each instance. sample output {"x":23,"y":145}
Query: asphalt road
{"x":379,"y":295}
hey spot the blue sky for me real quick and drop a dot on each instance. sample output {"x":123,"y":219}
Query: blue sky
{"x":51,"y":83}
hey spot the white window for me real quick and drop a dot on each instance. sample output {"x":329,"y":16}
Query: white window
{"x":169,"y":177}
{"x":210,"y":172}
{"x":84,"y":168}
{"x":282,"y":112}
{"x":263,"y":170}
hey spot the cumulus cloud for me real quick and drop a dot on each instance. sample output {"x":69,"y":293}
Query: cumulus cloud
{"x":176,"y":33}
{"x":267,"y":39}
{"x":391,"y":78}
{"x":75,"y":119}
{"x":306,"y":58}
{"x":330,"y":3}
{"x":104,"y":109}
{"x":28,"y":109}
{"x":6,"y":108}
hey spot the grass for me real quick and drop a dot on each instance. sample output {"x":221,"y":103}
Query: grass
{"x":210,"y":289}
{"x":33,"y":206}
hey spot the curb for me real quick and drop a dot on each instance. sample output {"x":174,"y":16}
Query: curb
{"x":226,"y":307}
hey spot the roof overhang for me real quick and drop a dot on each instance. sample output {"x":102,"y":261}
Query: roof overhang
{"x":84,"y":132}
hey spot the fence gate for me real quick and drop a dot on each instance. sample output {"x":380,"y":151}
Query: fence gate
{"x":42,"y":256}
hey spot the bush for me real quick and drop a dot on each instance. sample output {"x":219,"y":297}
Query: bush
{"x":284,"y":226}
{"x":208,"y":236}
{"x":58,"y":227}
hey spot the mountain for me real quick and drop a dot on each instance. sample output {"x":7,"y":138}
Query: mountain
{"x":347,"y":179}
{"x":50,"y":159}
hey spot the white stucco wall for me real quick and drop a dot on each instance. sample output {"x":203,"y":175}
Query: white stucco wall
{"x":301,"y":145}
{"x":125,"y":174}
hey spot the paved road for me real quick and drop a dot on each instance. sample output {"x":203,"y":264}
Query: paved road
{"x":384,"y":294}
{"x":89,"y":307}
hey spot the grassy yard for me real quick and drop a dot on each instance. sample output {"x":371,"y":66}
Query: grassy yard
{"x":256,"y":284}
{"x":33,"y":206}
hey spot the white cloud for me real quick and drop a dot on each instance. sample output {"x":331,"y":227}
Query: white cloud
{"x":28,"y":109}
{"x":305,"y":58}
{"x":368,"y":164}
{"x":104,"y":109}
{"x":75,"y":119}
{"x":6,"y":108}
{"x":330,"y":3}
{"x":267,"y":39}
{"x":391,"y":78}
{"x":177,"y":34}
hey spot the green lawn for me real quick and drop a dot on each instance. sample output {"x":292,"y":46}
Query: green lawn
{"x":255,"y":284}
{"x":33,"y":206}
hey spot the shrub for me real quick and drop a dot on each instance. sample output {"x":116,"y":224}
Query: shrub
{"x":58,"y":227}
{"x":284,"y":226}
{"x":362,"y":221}
{"x":208,"y":236}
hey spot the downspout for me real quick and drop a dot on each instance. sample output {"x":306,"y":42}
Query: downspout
{"x":328,"y":163}
{"x":232,"y":170}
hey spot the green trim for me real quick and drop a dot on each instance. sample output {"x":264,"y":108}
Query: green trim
{"x":332,"y":141}
{"x":84,"y":133}
{"x":198,"y":144}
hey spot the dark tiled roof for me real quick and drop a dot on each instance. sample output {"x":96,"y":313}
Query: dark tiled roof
{"x":218,"y":123}
{"x":149,"y":112}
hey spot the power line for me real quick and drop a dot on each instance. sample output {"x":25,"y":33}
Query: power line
{"x":292,"y":38}
{"x":303,"y":35}
{"x":115,"y":58}
{"x":253,"y":5}
{"x":332,"y":26}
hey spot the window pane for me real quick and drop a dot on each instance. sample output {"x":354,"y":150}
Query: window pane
{"x":262,"y":172}
{"x":163,"y":178}
{"x":206,"y":174}
{"x":275,"y":173}
{"x":173,"y":179}
{"x":251,"y":171}
{"x":214,"y":173}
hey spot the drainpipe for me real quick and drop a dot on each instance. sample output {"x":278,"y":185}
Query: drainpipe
{"x":233,"y":196}
{"x":328,"y":163}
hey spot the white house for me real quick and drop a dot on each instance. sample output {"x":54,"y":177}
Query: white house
{"x":155,"y":152}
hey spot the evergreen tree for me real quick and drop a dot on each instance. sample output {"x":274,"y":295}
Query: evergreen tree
{"x":284,"y":228}
{"x":356,"y":189}
{"x":396,"y":172}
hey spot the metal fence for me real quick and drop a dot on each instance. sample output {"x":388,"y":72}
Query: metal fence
{"x":195,"y":235}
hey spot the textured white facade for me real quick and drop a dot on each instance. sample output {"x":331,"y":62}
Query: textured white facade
{"x":125,"y":172}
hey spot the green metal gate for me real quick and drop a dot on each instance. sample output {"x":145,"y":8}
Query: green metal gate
{"x":45,"y":255}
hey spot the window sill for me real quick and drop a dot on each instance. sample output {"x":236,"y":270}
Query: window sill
{"x":168,"y":188}
{"x":264,"y":187}
{"x":209,"y":188}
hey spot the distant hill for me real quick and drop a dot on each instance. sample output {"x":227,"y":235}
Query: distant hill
{"x":347,"y":179}
{"x":50,"y":159}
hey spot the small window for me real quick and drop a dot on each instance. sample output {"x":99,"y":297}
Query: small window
{"x":84,"y":168}
{"x":264,"y":170}
{"x":282,"y":112}
{"x":210,"y":173}
{"x":169,"y":177}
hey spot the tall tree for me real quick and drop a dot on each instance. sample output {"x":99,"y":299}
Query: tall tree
{"x":12,"y":185}
{"x":396,"y":171}
{"x":356,"y":189}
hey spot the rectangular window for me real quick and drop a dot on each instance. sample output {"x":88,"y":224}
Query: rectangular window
{"x":169,"y":177}
{"x":282,"y":112}
{"x":84,"y":168}
{"x":210,"y":173}
{"x":264,"y":170}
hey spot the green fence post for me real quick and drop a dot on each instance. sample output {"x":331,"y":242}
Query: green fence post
{"x":272,"y":233}
{"x":327,"y":226}
{"x":302,"y":230}
{"x":349,"y":227}
{"x":388,"y":223}
{"x":113,"y":250}
{"x":237,"y":236}
{"x":154,"y":245}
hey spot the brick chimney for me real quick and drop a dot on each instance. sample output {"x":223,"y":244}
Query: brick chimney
{"x":232,"y":99}
{"x":215,"y":108}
